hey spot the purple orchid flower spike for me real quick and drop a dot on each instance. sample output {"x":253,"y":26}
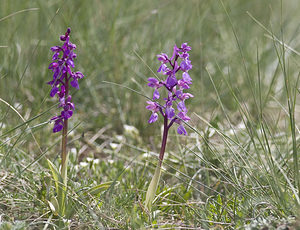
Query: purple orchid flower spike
{"x":172,"y":108}
{"x":62,"y":65}
{"x":171,"y":68}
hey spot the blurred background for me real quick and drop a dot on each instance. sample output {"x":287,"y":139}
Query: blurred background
{"x":110,"y":34}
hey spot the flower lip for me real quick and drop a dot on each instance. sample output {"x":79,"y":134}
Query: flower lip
{"x":79,"y":75}
{"x":153,"y":118}
{"x":183,"y":84}
{"x":54,"y":91}
{"x":181,"y":130}
{"x":163,"y":58}
{"x":57,"y":127}
{"x":53,"y":66}
{"x":185,"y":48}
{"x":186,"y":65}
{"x":75,"y":84}
{"x":170,"y":112}
{"x":155,"y":94}
{"x":153,"y":82}
{"x":171,"y":81}
{"x":186,"y":77}
{"x":55,"y":48}
{"x":183,"y":116}
{"x":152,"y":106}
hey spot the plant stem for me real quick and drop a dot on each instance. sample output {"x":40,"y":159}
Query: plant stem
{"x":164,"y":141}
{"x":64,"y":153}
{"x":155,"y":179}
{"x":64,"y":159}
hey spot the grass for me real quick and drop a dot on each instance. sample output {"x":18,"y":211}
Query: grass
{"x":237,"y":169}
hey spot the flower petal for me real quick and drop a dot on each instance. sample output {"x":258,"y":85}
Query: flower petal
{"x":153,"y":118}
{"x":181,"y":107}
{"x":181,"y":130}
{"x":57,"y":127}
{"x":75,"y":84}
{"x":155,"y":94}
{"x":171,"y":81}
{"x":54,"y":91}
{"x":153,"y":82}
{"x":170,"y":112}
{"x":186,"y":77}
{"x":79,"y":75}
{"x":183,"y":116}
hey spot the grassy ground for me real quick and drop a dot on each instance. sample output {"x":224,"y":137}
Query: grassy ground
{"x":238,"y":168}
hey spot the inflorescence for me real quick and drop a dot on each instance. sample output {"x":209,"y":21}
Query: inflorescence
{"x":170,"y":67}
{"x":63,"y":75}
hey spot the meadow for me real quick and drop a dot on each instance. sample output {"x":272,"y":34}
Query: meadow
{"x":238,"y":167}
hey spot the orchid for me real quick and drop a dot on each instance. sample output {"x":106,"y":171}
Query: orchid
{"x":176,"y":79}
{"x":63,"y":77}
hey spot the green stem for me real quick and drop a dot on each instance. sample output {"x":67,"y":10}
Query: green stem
{"x":155,"y":179}
{"x":164,"y":141}
{"x":64,"y":153}
{"x":64,"y":158}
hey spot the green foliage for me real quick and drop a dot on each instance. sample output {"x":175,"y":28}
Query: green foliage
{"x":57,"y":205}
{"x":151,"y":191}
{"x":237,"y":169}
{"x":18,"y":225}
